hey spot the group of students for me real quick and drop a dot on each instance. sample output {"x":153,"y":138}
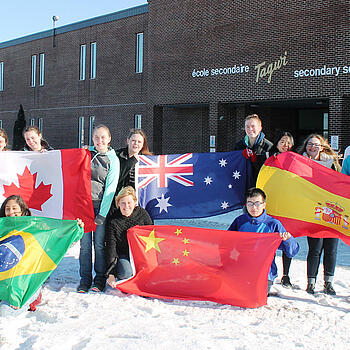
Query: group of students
{"x":257,"y":148}
{"x":115,"y":203}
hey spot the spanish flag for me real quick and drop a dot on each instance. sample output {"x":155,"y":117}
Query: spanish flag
{"x":308,"y":198}
{"x":177,"y":262}
{"x":30,"y":249}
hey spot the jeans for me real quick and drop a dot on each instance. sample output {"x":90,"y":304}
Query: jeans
{"x":96,"y":237}
{"x":124,"y":269}
{"x":329,"y":247}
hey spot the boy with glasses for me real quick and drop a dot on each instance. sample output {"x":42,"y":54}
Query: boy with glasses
{"x":255,"y":219}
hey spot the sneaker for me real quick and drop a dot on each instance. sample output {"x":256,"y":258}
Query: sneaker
{"x":286,"y":282}
{"x":83,"y":288}
{"x":328,"y":288}
{"x":98,"y":288}
{"x":310,"y":288}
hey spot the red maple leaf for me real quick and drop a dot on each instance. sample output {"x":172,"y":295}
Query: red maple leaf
{"x":34,"y":197}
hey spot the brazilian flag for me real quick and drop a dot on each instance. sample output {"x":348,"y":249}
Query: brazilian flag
{"x":30,"y":250}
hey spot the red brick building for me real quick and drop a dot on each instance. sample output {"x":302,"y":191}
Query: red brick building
{"x":188,"y":71}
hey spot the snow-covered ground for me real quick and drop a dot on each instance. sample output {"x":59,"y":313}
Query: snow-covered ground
{"x":112,"y":320}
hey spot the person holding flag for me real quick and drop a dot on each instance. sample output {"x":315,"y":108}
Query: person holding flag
{"x":317,"y":148}
{"x":284,"y":143}
{"x":127,"y":214}
{"x":104,"y":179}
{"x":15,"y":206}
{"x":255,"y":219}
{"x":34,"y":140}
{"x":254,"y":145}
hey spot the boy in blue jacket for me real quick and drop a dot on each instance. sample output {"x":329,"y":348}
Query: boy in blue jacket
{"x":256,"y":220}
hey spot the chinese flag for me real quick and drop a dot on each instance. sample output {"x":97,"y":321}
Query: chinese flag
{"x":175,"y":262}
{"x":308,"y":198}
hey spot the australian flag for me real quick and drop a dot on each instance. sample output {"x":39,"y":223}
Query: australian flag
{"x":193,"y":185}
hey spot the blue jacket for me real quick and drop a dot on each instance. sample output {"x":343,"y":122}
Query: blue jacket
{"x":265,"y":224}
{"x":346,"y":166}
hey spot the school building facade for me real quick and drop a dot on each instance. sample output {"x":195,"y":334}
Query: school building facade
{"x":188,"y":72}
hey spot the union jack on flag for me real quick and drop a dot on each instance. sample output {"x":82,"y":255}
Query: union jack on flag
{"x":160,"y":169}
{"x":192,"y":185}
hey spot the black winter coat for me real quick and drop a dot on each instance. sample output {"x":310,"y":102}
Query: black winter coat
{"x":262,"y":151}
{"x":116,"y":234}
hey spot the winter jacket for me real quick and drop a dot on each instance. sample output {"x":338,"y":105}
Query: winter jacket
{"x":264,"y":224}
{"x":116,"y":234}
{"x":325,"y":160}
{"x":104,"y":179}
{"x":127,"y":169}
{"x":261,"y":151}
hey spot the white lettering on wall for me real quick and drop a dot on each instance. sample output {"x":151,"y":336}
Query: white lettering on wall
{"x":236,"y":69}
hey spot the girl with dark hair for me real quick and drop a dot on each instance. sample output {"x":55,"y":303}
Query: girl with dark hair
{"x":317,"y":148}
{"x":15,"y":206}
{"x":284,"y":143}
{"x":3,"y":140}
{"x":34,"y":140}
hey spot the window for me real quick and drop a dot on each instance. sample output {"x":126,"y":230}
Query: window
{"x":42,"y":69}
{"x":0,"y":123}
{"x":138,"y":121}
{"x":139,"y":52}
{"x":91,"y":129}
{"x":81,"y":132}
{"x":82,"y":61}
{"x":32,"y":121}
{"x":40,"y":124}
{"x":93,"y":61}
{"x":33,"y":79}
{"x":1,"y":76}
{"x":325,"y":125}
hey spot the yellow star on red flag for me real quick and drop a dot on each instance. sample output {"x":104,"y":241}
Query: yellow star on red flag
{"x":152,"y":241}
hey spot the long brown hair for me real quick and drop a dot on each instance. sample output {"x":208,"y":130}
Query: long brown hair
{"x":326,"y":148}
{"x":4,"y":135}
{"x":144,"y":150}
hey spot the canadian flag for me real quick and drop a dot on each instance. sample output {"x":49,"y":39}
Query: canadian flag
{"x":55,"y":184}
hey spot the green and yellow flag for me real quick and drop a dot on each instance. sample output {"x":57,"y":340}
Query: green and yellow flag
{"x":30,"y":250}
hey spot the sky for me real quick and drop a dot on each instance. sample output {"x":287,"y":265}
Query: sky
{"x":21,"y":18}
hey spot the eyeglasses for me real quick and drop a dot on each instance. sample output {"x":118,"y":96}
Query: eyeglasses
{"x":316,"y":145}
{"x":254,"y":204}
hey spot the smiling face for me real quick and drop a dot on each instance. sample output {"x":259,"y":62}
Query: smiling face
{"x":33,"y":140}
{"x":135,"y":144}
{"x":314,"y":148}
{"x":126,"y":205}
{"x":12,"y":208}
{"x":2,"y":143}
{"x":255,"y":205}
{"x":101,"y":139}
{"x":252,"y":128}
{"x":284,"y":144}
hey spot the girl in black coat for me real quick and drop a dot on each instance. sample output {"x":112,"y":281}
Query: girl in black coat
{"x":126,"y":215}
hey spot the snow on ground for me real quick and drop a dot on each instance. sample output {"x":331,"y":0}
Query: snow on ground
{"x":112,"y":320}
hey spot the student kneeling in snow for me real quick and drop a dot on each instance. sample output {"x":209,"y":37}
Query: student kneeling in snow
{"x":126,"y":215}
{"x":256,"y":220}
